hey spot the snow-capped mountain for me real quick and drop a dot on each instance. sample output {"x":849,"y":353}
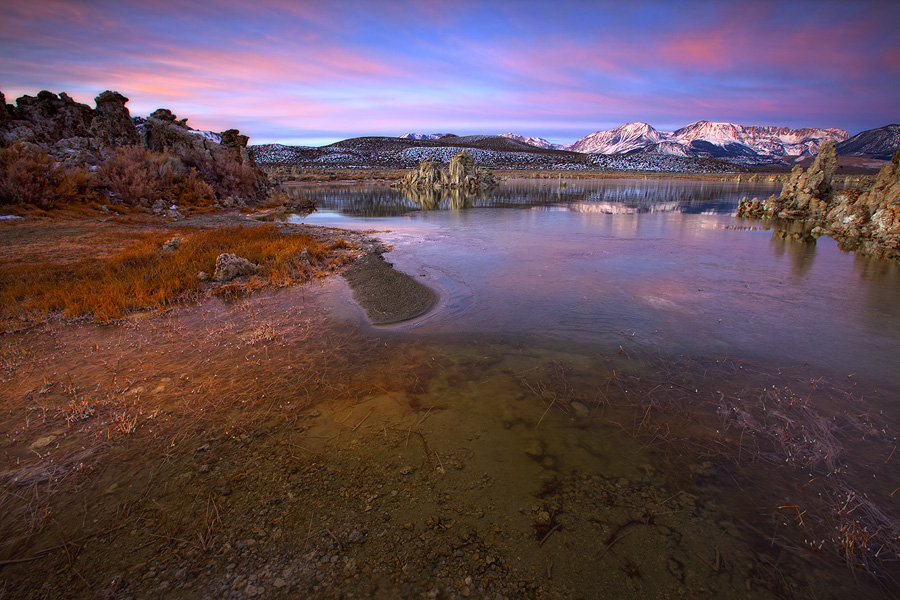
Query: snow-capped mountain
{"x":705,"y":138}
{"x":621,"y":140}
{"x":878,"y":143}
{"x":765,"y":140}
{"x":534,"y":141}
{"x":422,"y":136}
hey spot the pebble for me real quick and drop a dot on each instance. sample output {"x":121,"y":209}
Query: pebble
{"x":581,"y":411}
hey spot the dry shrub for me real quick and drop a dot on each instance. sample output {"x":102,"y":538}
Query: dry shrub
{"x":29,"y":176}
{"x":227,"y":175}
{"x":143,"y":275}
{"x":139,"y":177}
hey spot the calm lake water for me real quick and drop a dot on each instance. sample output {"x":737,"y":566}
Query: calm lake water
{"x":750,"y":367}
{"x":663,"y":263}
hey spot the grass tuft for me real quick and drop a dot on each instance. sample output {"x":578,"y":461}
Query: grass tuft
{"x":144,"y":275}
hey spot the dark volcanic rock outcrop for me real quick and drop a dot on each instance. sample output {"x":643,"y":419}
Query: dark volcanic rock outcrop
{"x":112,"y":124}
{"x":865,"y":220}
{"x":46,"y":119}
{"x":162,"y":131}
{"x":460,"y":174}
{"x":75,"y":135}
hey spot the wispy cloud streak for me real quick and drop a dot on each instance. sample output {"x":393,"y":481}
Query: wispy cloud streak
{"x":285,"y":70}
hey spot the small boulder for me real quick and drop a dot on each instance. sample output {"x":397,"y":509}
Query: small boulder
{"x":229,"y":266}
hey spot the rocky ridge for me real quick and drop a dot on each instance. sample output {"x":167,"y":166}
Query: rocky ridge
{"x":491,"y":152}
{"x":877,"y":143}
{"x":865,"y":220}
{"x":76,"y":136}
{"x":535,"y":141}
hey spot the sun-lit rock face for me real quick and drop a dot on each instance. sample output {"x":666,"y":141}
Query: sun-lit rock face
{"x":865,"y":220}
{"x":868,"y":220}
{"x":811,"y":190}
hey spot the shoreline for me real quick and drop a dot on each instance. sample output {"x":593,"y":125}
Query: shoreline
{"x":340,"y":175}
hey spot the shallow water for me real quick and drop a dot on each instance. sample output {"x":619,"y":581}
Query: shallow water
{"x":663,"y":263}
{"x":718,"y":327}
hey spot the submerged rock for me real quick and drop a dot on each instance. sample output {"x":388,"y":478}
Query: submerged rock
{"x":387,"y":295}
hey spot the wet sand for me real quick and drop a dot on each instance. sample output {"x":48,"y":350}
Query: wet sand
{"x":387,"y":295}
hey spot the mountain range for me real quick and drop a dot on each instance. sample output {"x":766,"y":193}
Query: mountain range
{"x":704,"y":138}
{"x":741,"y":144}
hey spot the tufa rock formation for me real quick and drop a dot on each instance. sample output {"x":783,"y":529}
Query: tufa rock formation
{"x":868,"y":220}
{"x":461,"y":174}
{"x":865,"y":220}
{"x":806,"y":194}
{"x":75,"y":135}
{"x":112,"y":125}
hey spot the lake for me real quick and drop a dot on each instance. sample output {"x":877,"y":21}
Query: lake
{"x":637,"y":331}
{"x":664,"y":263}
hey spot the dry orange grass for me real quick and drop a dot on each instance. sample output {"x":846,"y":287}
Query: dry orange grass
{"x":145,"y":275}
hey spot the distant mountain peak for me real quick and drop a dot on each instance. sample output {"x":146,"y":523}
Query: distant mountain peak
{"x":710,"y":139}
{"x":621,"y":140}
{"x":534,"y":141}
{"x":422,"y":136}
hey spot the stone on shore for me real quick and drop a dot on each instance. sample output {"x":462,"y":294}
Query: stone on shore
{"x":229,"y":266}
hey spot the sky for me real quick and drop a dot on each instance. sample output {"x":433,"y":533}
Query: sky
{"x":314,"y":72}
